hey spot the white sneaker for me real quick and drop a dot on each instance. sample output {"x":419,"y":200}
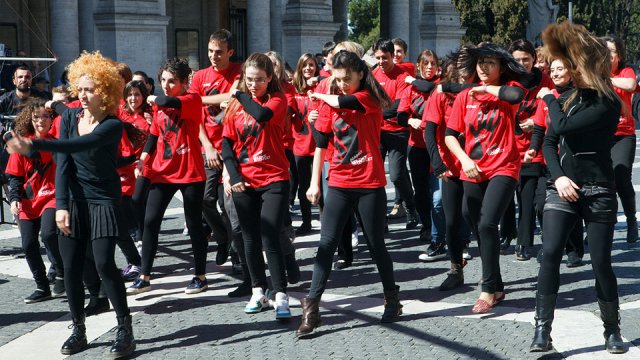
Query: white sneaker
{"x":185,"y":231}
{"x":354,"y":240}
{"x":281,"y":305}
{"x":257,"y":303}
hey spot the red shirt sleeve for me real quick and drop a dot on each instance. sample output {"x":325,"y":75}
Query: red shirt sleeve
{"x":15,"y":165}
{"x":405,"y":101}
{"x":456,"y":119}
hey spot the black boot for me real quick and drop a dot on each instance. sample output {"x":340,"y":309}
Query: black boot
{"x":310,"y":316}
{"x":78,"y":339}
{"x":96,"y":306}
{"x":124,"y":344}
{"x":392,"y":306}
{"x":293,"y":270}
{"x":412,"y":219}
{"x":545,"y":306}
{"x":455,"y":278}
{"x":610,"y":315}
{"x":632,"y":229}
{"x":245,"y":288}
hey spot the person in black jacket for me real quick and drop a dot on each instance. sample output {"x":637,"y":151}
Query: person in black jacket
{"x":582,"y":126}
{"x":88,"y":192}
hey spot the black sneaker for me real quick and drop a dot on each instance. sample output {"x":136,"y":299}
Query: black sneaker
{"x":341,"y":264}
{"x":435,"y":251}
{"x":243,"y":290}
{"x":505,"y":243}
{"x":96,"y":306}
{"x":38,"y":296}
{"x":522,"y":254}
{"x":139,"y":286}
{"x":412,"y":219}
{"x":222,"y":254}
{"x":196,"y":286}
{"x":59,"y":289}
{"x":304,"y":229}
{"x":574,"y":260}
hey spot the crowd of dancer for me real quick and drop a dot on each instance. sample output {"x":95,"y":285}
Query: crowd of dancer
{"x":482,"y":129}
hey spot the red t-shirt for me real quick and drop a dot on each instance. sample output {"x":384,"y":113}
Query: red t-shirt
{"x":324,"y":73}
{"x":304,"y":144}
{"x":290,"y":93}
{"x":323,"y":87}
{"x":357,"y":162}
{"x":39,"y":176}
{"x":127,"y":175}
{"x":408,"y":67}
{"x":177,"y":158}
{"x":541,"y":118}
{"x":526,"y":110}
{"x":626,"y":126}
{"x":488,"y":127}
{"x":258,"y":146}
{"x":437,"y":111}
{"x":413,"y":102}
{"x":207,"y":82}
{"x":394,"y":85}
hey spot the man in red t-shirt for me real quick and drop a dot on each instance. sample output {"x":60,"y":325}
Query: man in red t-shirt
{"x":394,"y":137}
{"x":214,"y":85}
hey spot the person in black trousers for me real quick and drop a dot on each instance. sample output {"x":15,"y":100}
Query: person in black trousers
{"x":88,"y":192}
{"x":577,"y":150}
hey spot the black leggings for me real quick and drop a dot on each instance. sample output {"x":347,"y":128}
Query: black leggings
{"x":139,"y":200}
{"x":125,"y":242}
{"x":557,"y":227}
{"x":160,"y":196}
{"x":338,"y":209}
{"x":452,"y":198}
{"x":29,"y":229}
{"x":395,"y":144}
{"x":303,"y":165}
{"x":293,"y":176}
{"x":419,"y":167}
{"x":99,"y":252}
{"x":261,"y":214}
{"x":526,"y":194}
{"x":210,"y":213}
{"x":485,"y":204}
{"x":622,"y":154}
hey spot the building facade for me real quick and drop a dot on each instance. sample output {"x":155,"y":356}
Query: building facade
{"x":143,"y":33}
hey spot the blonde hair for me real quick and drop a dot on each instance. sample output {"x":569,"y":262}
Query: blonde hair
{"x":584,"y":55}
{"x":349,"y":46}
{"x":104,"y":73}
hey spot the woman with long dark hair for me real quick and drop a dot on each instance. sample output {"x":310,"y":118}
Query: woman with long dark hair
{"x":356,"y":180}
{"x":577,"y":148}
{"x":490,"y":159}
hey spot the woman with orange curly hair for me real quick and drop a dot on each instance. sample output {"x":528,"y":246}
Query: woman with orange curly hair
{"x":88,"y":192}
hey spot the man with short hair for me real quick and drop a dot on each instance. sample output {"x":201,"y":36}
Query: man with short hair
{"x":11,"y":101}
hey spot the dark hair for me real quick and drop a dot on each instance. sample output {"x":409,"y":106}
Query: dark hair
{"x":21,"y":67}
{"x":328,"y":48}
{"x":512,"y":70}
{"x":524,"y":45}
{"x":350,"y":61}
{"x":143,"y":90}
{"x":124,"y":71}
{"x":178,"y":67}
{"x":423,"y":57}
{"x":298,"y":81}
{"x":401,"y":43}
{"x":384,"y":45}
{"x":23,"y":125}
{"x":447,"y":76}
{"x":143,"y":74}
{"x":223,"y":35}
{"x":620,"y":49}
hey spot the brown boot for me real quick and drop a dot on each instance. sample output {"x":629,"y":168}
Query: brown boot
{"x":310,"y":316}
{"x":392,"y":306}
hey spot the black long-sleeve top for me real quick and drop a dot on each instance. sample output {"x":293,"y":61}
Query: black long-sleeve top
{"x":584,"y":135}
{"x":86,"y":168}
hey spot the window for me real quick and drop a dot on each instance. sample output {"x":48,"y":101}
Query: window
{"x":187,"y":47}
{"x":9,"y":37}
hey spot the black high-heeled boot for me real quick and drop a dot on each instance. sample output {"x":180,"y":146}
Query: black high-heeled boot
{"x":78,"y":339}
{"x":545,"y":306}
{"x":610,"y":315}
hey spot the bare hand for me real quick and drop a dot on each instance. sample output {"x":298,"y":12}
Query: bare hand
{"x":477,"y":90}
{"x":63,"y":221}
{"x":15,"y":207}
{"x":148,"y":117}
{"x":312,"y":81}
{"x":213,"y":158}
{"x":313,"y":194}
{"x":151,"y":99}
{"x":470,"y":168}
{"x":313,"y":96}
{"x":529,"y":155}
{"x":543,"y":92}
{"x":527,"y":125}
{"x":409,"y":79}
{"x":415,"y":123}
{"x":238,"y":187}
{"x":17,"y":143}
{"x":137,"y":172}
{"x":313,"y":116}
{"x":567,"y":189}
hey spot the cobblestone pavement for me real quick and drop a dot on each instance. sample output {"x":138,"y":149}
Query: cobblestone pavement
{"x":436,"y":325}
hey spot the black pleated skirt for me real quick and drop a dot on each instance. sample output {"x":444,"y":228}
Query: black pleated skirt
{"x":93,"y":221}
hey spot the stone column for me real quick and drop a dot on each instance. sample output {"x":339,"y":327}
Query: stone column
{"x":133,"y":32}
{"x":277,"y":8}
{"x":340,"y":10}
{"x":399,"y":19}
{"x":440,"y":30}
{"x":307,"y":25}
{"x":258,"y":26}
{"x":65,"y":38}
